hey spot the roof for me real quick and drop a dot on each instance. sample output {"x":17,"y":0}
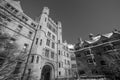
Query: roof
{"x":102,"y":37}
{"x":16,"y":4}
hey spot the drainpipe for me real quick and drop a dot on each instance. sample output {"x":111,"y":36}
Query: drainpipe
{"x":26,"y":64}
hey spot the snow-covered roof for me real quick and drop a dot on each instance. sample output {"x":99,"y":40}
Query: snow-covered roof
{"x":100,"y":38}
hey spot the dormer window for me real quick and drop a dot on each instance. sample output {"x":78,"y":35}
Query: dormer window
{"x":2,"y":16}
{"x":25,"y":44}
{"x":15,"y":11}
{"x":49,"y":34}
{"x":9,"y":20}
{"x":7,"y":5}
{"x":19,"y":28}
{"x":24,"y":18}
{"x":12,"y":8}
{"x":33,"y":24}
{"x":53,"y":37}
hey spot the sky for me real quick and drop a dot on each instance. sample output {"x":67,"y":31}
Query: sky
{"x":78,"y":17}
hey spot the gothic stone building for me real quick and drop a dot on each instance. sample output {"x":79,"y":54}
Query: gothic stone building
{"x":45,"y":62}
{"x":40,"y":40}
{"x":95,"y":54}
{"x":20,"y":28}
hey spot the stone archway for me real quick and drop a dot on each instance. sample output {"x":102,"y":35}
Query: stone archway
{"x":47,"y":72}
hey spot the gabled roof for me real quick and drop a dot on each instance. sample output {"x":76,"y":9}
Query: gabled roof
{"x":95,"y":39}
{"x":85,"y":43}
{"x":115,"y":33}
{"x":108,"y":35}
{"x":15,"y":4}
{"x":100,"y":38}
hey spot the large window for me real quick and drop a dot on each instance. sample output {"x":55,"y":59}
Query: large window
{"x":80,"y":72}
{"x":74,"y":65}
{"x":87,"y":52}
{"x":47,"y":53}
{"x":68,"y":62}
{"x":53,"y":37}
{"x":59,"y":65}
{"x":62,"y":64}
{"x":48,"y":42}
{"x":4,"y":18}
{"x":49,"y":34}
{"x":52,"y":54}
{"x":37,"y":60}
{"x":32,"y":24}
{"x":36,"y":41}
{"x":59,"y":73}
{"x":65,"y":61}
{"x":17,"y":68}
{"x":2,"y":60}
{"x":106,"y":48}
{"x":78,"y":54}
{"x":51,"y":27}
{"x":32,"y":59}
{"x":90,"y":61}
{"x":53,"y":45}
{"x":102,"y":62}
{"x":54,"y":30}
{"x":30,"y":34}
{"x":40,"y":42}
{"x":29,"y":73}
{"x":73,"y":58}
{"x":67,"y":55}
{"x":24,"y":18}
{"x":19,"y":28}
{"x":59,"y":52}
{"x":58,"y":41}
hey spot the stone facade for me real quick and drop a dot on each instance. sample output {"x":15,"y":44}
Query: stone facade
{"x":41,"y":39}
{"x":64,"y":61}
{"x":94,"y":56}
{"x":73,"y":65}
{"x":44,"y":51}
{"x":19,"y":26}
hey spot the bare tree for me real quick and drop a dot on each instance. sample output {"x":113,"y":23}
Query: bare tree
{"x":9,"y":57}
{"x":112,"y":68}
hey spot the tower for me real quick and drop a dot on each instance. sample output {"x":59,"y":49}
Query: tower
{"x":59,"y":32}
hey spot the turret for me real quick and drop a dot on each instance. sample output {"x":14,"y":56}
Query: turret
{"x":45,"y":10}
{"x":59,"y":24}
{"x":59,"y":31}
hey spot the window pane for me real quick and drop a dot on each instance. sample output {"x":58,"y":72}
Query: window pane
{"x":41,"y":42}
{"x":36,"y":40}
{"x":17,"y":68}
{"x":53,"y":45}
{"x":37,"y":59}
{"x":53,"y":37}
{"x":49,"y":34}
{"x":47,"y":53}
{"x":48,"y":42}
{"x":52,"y":54}
{"x":32,"y":59}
